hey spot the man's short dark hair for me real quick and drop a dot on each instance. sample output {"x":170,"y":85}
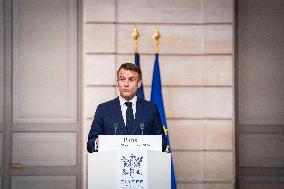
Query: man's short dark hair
{"x":131,"y":67}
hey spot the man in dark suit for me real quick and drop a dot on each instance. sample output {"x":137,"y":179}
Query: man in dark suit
{"x":126,"y":114}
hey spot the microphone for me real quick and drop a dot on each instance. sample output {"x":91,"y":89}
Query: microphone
{"x":142,"y":127}
{"x":115,"y":125}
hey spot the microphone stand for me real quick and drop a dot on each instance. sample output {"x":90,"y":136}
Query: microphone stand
{"x":142,"y":128}
{"x":115,"y":125}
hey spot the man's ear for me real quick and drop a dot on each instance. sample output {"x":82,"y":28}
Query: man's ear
{"x":139,"y":83}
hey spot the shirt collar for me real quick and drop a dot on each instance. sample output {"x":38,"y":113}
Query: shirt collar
{"x":122,"y":100}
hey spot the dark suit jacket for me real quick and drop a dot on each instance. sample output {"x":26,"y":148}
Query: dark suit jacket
{"x":109,"y":113}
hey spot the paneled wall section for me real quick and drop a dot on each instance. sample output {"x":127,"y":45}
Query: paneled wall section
{"x":56,"y":39}
{"x":1,"y":63}
{"x":196,"y":53}
{"x":1,"y":87}
{"x":51,"y":182}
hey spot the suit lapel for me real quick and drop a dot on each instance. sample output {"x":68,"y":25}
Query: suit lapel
{"x":138,"y":115}
{"x":118,"y":116}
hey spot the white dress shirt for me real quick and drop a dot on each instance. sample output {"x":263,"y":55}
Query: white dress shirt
{"x":123,"y":107}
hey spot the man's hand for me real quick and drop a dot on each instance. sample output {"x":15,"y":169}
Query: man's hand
{"x":97,"y":144}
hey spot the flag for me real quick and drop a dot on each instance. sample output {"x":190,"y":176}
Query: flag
{"x":157,"y":98}
{"x":140,"y":91}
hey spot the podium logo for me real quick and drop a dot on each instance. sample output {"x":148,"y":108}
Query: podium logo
{"x":132,"y":171}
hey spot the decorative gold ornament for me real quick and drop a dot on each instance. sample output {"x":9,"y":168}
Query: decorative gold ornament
{"x":156,"y":37}
{"x":135,"y":36}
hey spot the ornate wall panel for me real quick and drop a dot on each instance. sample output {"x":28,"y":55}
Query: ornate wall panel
{"x":261,"y":150}
{"x":43,"y":182}
{"x":44,"y":149}
{"x":1,"y":61}
{"x":44,"y":74}
{"x":1,"y":146}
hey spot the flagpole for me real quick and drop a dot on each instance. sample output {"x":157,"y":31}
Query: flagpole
{"x":157,"y":97}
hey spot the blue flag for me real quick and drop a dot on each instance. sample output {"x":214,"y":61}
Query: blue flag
{"x":140,"y":91}
{"x":157,"y":98}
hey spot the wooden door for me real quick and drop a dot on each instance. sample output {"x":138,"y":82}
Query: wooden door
{"x":260,"y":71}
{"x":41,"y":130}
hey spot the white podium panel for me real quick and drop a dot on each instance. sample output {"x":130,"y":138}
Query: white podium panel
{"x":159,"y":172}
{"x":129,"y":169}
{"x":129,"y":162}
{"x":102,"y":170}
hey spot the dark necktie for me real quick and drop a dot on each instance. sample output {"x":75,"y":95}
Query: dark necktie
{"x":129,"y":117}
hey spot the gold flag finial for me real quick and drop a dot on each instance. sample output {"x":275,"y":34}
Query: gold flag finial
{"x":135,"y":36}
{"x":156,"y":37}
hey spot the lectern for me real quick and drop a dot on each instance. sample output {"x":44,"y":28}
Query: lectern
{"x":129,"y":162}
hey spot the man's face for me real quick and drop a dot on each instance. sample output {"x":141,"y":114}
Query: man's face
{"x":128,"y":83}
